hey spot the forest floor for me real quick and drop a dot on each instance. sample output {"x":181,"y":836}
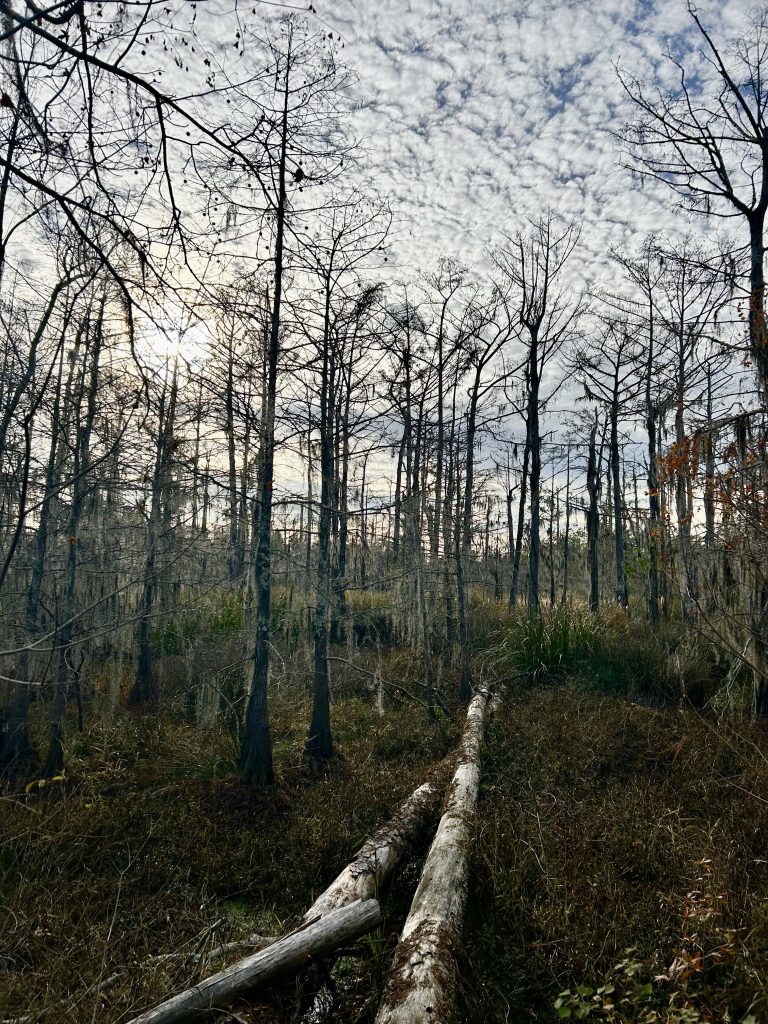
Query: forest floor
{"x":620,"y":847}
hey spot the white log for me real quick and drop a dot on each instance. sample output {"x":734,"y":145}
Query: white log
{"x":377,"y":859}
{"x":284,"y":956}
{"x":420,"y":984}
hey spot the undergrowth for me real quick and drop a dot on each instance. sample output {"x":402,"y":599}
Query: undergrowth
{"x":613,"y":834}
{"x":609,"y":650}
{"x":149,"y":840}
{"x":619,"y":871}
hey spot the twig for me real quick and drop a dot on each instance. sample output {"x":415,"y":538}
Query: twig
{"x":102,"y":986}
{"x":397,"y":686}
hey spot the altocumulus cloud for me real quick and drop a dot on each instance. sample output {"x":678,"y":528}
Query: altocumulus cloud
{"x":476,"y":115}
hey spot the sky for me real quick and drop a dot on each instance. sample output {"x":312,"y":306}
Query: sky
{"x":477,"y":114}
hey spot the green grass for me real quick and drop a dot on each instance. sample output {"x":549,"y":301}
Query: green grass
{"x":547,"y":647}
{"x":610,"y":651}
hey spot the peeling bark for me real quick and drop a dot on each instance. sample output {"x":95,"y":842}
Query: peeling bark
{"x":380,"y":855}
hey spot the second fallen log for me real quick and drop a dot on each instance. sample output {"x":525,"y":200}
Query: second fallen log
{"x":283,"y":957}
{"x":377,"y":859}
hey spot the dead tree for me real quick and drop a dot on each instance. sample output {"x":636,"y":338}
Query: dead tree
{"x":609,"y":369}
{"x":80,"y":412}
{"x":531,"y":265}
{"x":300,"y":122}
{"x":420,"y":982}
{"x":144,"y":690}
{"x":709,"y":144}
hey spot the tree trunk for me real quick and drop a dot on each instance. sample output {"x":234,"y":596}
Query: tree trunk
{"x":375,"y":863}
{"x":144,"y":691}
{"x":319,"y":744}
{"x":235,"y":561}
{"x":758,"y":335}
{"x":256,"y":749}
{"x":17,"y":750}
{"x":515,"y":583}
{"x":618,"y":521}
{"x":67,"y":673}
{"x":398,"y":499}
{"x":567,"y":533}
{"x":535,"y":479}
{"x":593,"y":521}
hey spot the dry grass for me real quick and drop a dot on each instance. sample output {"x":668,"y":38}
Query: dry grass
{"x":607,"y":826}
{"x":150,"y":840}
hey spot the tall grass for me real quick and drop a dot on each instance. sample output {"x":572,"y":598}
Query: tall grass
{"x":609,"y":650}
{"x":547,"y":647}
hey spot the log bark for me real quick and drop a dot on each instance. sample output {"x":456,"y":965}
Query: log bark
{"x":377,"y":859}
{"x":283,"y":957}
{"x":420,"y":984}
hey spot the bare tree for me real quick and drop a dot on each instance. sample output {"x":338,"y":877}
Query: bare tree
{"x":531,"y":264}
{"x":610,"y":370}
{"x":709,"y":144}
{"x":352,"y":233}
{"x":300,"y":116}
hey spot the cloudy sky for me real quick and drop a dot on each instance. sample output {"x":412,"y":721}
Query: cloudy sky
{"x":476,"y":114}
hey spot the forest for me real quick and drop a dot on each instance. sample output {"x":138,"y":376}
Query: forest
{"x":381,"y":643}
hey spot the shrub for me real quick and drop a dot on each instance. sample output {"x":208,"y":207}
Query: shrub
{"x":370,"y":618}
{"x":610,"y":651}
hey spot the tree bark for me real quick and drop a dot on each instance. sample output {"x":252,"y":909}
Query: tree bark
{"x":377,"y":859}
{"x":144,"y":690}
{"x":54,"y":761}
{"x":17,"y":749}
{"x":758,"y":335}
{"x":515,"y":582}
{"x":319,"y":744}
{"x":256,"y":766}
{"x":593,"y":521}
{"x":534,"y":441}
{"x":618,"y":522}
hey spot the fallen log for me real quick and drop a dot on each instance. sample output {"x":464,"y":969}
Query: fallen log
{"x":287,"y":955}
{"x":376,"y":862}
{"x":421,"y":981}
{"x":379,"y":856}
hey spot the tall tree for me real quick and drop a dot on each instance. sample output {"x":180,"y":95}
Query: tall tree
{"x":531,"y":264}
{"x":610,"y":370}
{"x":351,"y":234}
{"x":302,"y":146}
{"x":708,"y":141}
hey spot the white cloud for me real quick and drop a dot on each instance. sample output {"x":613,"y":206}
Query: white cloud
{"x":478,"y":115}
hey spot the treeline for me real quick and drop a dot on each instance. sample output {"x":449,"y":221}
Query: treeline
{"x":215,"y":396}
